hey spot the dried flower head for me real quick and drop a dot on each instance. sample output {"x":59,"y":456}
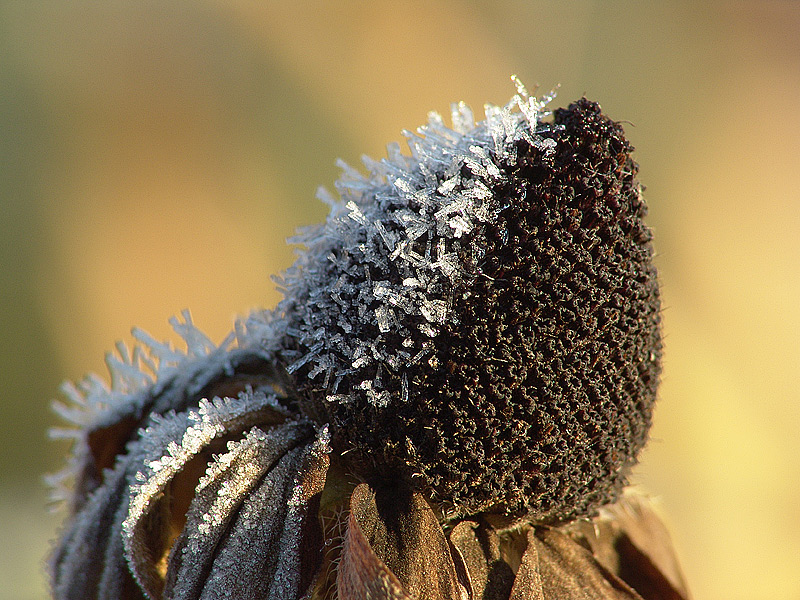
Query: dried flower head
{"x":470,"y":341}
{"x":482,"y":317}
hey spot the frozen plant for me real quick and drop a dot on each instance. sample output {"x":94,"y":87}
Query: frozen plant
{"x":446,"y":403}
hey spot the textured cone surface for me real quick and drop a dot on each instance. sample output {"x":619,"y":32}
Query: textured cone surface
{"x":539,"y":393}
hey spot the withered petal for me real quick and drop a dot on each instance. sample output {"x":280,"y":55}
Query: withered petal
{"x":394,"y":539}
{"x":253,"y":549}
{"x":625,"y":552}
{"x":214,"y":502}
{"x":566,"y":570}
{"x":490,"y":576}
{"x":177,"y":449}
{"x":462,"y":571}
{"x":107,"y":431}
{"x":361,"y":575}
{"x":91,"y":562}
{"x":630,"y":540}
{"x":77,"y":571}
{"x":528,"y":581}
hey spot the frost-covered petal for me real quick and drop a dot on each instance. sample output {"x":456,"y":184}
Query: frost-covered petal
{"x":169,"y":451}
{"x":96,"y":528}
{"x":77,"y":564}
{"x":110,"y":417}
{"x":272,"y":548}
{"x":253,"y":473}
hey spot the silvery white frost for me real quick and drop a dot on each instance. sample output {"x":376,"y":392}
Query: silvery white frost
{"x":384,"y":267}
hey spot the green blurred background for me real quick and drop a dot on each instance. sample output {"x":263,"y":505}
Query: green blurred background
{"x":155,"y":155}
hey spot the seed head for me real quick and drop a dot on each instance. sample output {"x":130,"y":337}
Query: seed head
{"x":481,"y":317}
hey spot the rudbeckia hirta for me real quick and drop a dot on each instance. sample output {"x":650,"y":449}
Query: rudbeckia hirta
{"x":446,"y":403}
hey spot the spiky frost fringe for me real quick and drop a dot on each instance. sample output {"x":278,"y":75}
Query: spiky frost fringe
{"x":92,"y":403}
{"x":389,"y":258}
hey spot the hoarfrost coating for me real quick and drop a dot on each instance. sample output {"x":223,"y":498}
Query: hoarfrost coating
{"x":396,"y":248}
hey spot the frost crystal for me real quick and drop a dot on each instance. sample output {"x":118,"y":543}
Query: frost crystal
{"x":153,"y":370}
{"x":380,"y":275}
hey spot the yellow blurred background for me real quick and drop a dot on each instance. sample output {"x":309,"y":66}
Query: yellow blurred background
{"x":155,"y":155}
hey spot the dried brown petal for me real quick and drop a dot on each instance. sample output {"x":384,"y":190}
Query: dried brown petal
{"x":630,"y":540}
{"x":567,"y":570}
{"x":405,"y":546}
{"x":625,"y":552}
{"x":361,"y":574}
{"x":478,"y":543}
{"x":528,"y":582}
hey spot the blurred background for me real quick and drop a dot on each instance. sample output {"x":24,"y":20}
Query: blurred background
{"x":155,"y":156}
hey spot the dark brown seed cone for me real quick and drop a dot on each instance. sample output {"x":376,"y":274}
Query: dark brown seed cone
{"x":540,"y":392}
